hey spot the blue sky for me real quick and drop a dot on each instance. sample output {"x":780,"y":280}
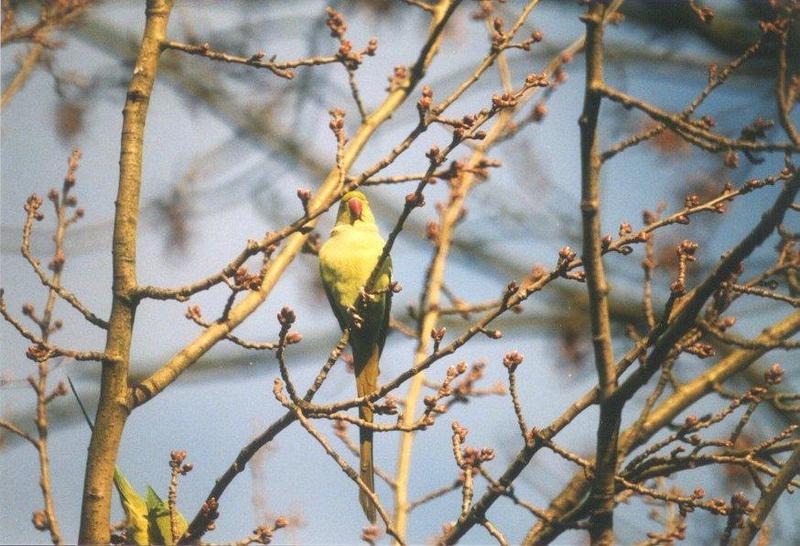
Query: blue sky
{"x":240,"y":188}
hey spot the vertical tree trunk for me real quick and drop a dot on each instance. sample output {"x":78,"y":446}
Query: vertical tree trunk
{"x":601,"y":523}
{"x":111,"y":411}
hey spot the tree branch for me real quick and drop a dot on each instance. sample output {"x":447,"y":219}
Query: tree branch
{"x":111,"y":414}
{"x":601,"y":523}
{"x":163,"y":377}
{"x":768,"y":499}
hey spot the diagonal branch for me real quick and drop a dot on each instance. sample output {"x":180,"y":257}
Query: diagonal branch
{"x":164,"y":376}
{"x":44,"y":344}
{"x":346,"y":468}
{"x":686,"y":316}
{"x":200,"y":522}
{"x":768,"y":499}
{"x":691,"y":307}
{"x":566,"y":504}
{"x":22,"y":75}
{"x":694,"y":133}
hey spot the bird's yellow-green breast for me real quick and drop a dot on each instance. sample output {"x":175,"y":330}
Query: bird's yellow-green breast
{"x":350,"y":254}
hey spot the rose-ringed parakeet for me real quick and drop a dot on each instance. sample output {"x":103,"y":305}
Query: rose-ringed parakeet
{"x":148,"y":520}
{"x":346,"y":262}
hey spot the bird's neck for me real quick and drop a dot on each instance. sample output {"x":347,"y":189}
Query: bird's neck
{"x":357,"y":227}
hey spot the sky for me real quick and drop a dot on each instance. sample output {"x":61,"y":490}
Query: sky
{"x":237,"y":188}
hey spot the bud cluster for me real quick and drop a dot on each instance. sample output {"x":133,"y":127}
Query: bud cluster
{"x":176,"y":462}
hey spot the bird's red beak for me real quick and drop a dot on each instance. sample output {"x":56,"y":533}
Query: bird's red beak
{"x":356,"y":208}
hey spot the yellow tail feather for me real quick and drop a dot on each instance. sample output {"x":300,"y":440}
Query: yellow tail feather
{"x":367,"y":383}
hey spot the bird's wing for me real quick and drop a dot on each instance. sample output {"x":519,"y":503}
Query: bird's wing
{"x":335,"y":305}
{"x":135,"y":509}
{"x":387,"y":305}
{"x":328,"y":276}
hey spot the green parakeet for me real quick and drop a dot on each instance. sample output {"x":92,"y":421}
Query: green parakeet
{"x":158,"y":519}
{"x":138,"y":525}
{"x":346,"y":261}
{"x":148,"y":521}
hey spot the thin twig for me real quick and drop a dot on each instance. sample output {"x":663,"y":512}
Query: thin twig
{"x":45,"y":279}
{"x":201,"y":520}
{"x":22,"y":75}
{"x":715,"y":81}
{"x":435,"y":494}
{"x":11,"y":427}
{"x":326,"y":196}
{"x":351,"y":79}
{"x":693,"y":133}
{"x":282,"y":69}
{"x":346,"y":468}
{"x":768,"y":499}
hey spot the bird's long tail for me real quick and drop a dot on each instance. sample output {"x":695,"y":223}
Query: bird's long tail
{"x":367,"y":383}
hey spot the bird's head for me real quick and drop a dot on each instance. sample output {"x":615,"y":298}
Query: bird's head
{"x":354,"y":207}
